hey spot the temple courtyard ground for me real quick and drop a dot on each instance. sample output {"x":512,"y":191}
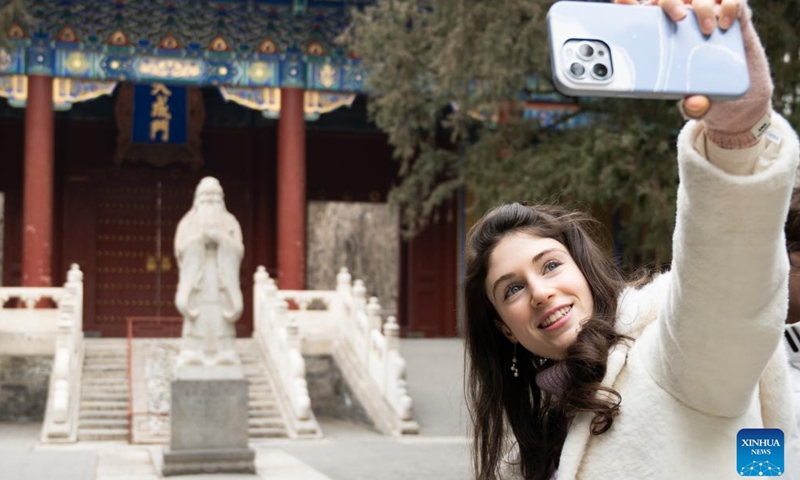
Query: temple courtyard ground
{"x":347,"y":452}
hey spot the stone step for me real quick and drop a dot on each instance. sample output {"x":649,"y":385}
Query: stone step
{"x":105,"y":387}
{"x":103,"y":423}
{"x":109,"y":414}
{"x":102,"y":434}
{"x":265,"y":413}
{"x":103,"y":405}
{"x":105,"y":361}
{"x":258,"y":381}
{"x":262,"y":405}
{"x":106,"y":349}
{"x":90,"y":393}
{"x":260,"y":395}
{"x":105,"y":367}
{"x":261,"y":387}
{"x":115,"y":364}
{"x":104,"y":380}
{"x":104,"y":397}
{"x":122,"y":352}
{"x":266,"y":432}
{"x":95,"y":388}
{"x":265,"y":423}
{"x":96,"y":374}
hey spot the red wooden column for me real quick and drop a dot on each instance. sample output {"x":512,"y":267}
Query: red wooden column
{"x":37,"y":216}
{"x":292,"y":191}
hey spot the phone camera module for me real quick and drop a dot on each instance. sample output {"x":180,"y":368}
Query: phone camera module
{"x":586,"y":51}
{"x":577,"y":70}
{"x":600,"y":71}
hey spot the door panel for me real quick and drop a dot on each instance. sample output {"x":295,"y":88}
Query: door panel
{"x":135,"y":268}
{"x":431,"y":279}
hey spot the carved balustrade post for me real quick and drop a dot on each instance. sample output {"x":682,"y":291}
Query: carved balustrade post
{"x":74,"y":288}
{"x":374,"y":314}
{"x":281,"y":313}
{"x":391,"y":331}
{"x":260,"y":281}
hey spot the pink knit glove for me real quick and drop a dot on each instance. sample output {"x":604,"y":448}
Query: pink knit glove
{"x":729,"y":124}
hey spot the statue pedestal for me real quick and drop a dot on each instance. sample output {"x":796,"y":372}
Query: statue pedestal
{"x":209,"y":422}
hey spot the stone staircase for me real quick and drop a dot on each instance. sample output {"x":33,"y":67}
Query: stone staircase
{"x":265,"y":418}
{"x":104,"y":391}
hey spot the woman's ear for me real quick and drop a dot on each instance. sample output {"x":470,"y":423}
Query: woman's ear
{"x":505,"y":331}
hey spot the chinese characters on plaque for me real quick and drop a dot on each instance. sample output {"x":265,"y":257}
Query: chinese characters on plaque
{"x":159,"y":114}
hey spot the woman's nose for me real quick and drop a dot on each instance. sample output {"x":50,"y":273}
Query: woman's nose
{"x":541,"y":293}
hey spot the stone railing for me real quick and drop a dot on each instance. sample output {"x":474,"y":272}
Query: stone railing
{"x":62,"y":327}
{"x":368,"y":351}
{"x":312,"y":313}
{"x":342,"y":323}
{"x":278,"y":334}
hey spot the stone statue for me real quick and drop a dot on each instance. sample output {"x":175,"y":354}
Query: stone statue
{"x":209,"y":250}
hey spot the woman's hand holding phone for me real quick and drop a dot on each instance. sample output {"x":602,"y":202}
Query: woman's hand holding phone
{"x":729,"y":124}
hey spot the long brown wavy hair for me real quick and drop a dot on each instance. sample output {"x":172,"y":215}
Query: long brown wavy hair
{"x":496,"y":399}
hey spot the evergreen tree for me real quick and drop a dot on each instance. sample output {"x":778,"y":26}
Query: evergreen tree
{"x":449,"y":80}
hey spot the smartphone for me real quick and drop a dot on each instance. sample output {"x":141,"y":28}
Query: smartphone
{"x":609,"y":50}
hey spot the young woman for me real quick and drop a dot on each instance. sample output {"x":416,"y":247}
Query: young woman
{"x":573,"y":374}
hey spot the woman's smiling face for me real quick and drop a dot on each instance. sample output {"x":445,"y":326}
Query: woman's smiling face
{"x":540,"y":294}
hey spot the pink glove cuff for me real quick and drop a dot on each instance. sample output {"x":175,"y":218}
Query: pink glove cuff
{"x":731,"y":124}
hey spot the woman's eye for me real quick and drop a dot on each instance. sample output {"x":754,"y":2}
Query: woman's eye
{"x":511,"y":290}
{"x":551,"y":265}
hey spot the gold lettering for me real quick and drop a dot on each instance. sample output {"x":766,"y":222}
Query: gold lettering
{"x":160,"y":89}
{"x":160,"y":114}
{"x":160,"y":108}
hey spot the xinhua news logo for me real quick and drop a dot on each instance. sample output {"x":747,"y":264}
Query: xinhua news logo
{"x":759,"y":452}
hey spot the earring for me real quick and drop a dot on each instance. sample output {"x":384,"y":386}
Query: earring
{"x":514,"y":362}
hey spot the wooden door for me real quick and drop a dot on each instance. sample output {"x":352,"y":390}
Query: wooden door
{"x":121,"y":231}
{"x":431,"y":279}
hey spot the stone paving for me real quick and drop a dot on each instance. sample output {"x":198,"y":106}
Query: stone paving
{"x":347,"y":452}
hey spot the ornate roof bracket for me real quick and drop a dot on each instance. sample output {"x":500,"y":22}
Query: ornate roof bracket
{"x":268,"y":101}
{"x":232,"y":43}
{"x":66,"y":91}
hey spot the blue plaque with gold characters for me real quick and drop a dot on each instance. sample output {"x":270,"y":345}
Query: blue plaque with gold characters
{"x":159,"y":114}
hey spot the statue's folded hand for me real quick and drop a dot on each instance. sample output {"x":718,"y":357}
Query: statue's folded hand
{"x":214,"y":235}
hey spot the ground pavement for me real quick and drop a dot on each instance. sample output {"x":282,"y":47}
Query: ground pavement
{"x":348,"y":451}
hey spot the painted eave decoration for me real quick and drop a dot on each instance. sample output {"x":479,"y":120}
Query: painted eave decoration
{"x":233,"y":43}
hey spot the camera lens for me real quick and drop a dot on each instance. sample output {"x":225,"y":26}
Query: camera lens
{"x":585,"y":50}
{"x":600,"y":70}
{"x":577,"y":69}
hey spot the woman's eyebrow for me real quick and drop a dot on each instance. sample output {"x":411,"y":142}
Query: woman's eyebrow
{"x":541,"y":254}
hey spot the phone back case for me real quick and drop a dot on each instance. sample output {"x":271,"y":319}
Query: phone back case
{"x":651,"y":56}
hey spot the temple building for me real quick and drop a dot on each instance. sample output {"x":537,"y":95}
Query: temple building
{"x":115,"y":109}
{"x":112,"y":112}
